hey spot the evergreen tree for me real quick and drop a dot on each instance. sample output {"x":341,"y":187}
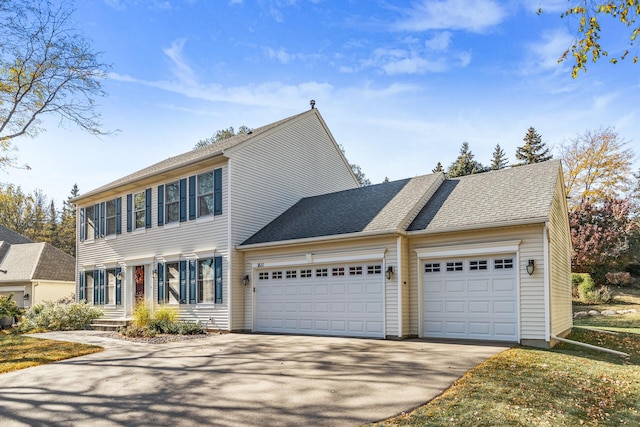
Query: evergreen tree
{"x":438,"y":168}
{"x":533,"y":150}
{"x":67,"y":228}
{"x":499,"y":159}
{"x":465,"y":163}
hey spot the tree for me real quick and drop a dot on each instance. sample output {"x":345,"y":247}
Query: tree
{"x":499,"y":159}
{"x":533,"y":150}
{"x":465,"y":163}
{"x":46,"y":68}
{"x":66,"y":235}
{"x":357,"y":171}
{"x":599,"y":235}
{"x":221,"y":135}
{"x":587,"y":43}
{"x":438,"y":168}
{"x":597,"y":166}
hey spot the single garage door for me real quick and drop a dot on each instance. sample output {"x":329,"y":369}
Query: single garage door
{"x":340,"y":300}
{"x":471,"y":298}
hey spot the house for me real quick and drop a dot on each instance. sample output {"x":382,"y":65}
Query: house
{"x":34,"y":272}
{"x":270,"y":232}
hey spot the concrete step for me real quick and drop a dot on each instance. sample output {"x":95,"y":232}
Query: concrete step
{"x":108,"y":324}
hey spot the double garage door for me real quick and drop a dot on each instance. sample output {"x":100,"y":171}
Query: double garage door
{"x":339,"y":300}
{"x":471,"y":298}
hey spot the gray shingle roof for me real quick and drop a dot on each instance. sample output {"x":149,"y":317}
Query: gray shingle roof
{"x":187,"y":158}
{"x":10,"y":236}
{"x":491,"y":198}
{"x":36,"y":261}
{"x":348,"y":211}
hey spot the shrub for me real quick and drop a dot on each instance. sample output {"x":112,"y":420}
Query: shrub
{"x":162,"y":321}
{"x":133,"y":331}
{"x":190,"y":328}
{"x":619,"y":278}
{"x":60,"y":317}
{"x":584,"y":284}
{"x":8,"y":307}
{"x":141,"y":315}
{"x":167,"y":313}
{"x":601,"y":295}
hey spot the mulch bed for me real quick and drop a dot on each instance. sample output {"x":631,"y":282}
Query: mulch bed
{"x":158,"y":339}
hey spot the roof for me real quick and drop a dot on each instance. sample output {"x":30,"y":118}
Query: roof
{"x":11,"y":237}
{"x":199,"y":154}
{"x":381,"y":207}
{"x":35,"y":261}
{"x":491,"y":198}
{"x":427,"y":203}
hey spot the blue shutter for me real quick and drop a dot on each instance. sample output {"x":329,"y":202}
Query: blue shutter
{"x":119,"y":215}
{"x":118,"y":287}
{"x":103,"y":208}
{"x":217,"y":192}
{"x":183,"y":199}
{"x":147,"y":210}
{"x":129,"y":213}
{"x":161,"y":291}
{"x":192,"y":281}
{"x":82,"y":224}
{"x":96,"y":288}
{"x":96,"y":220}
{"x":183,"y":282}
{"x":81,"y":286}
{"x":101,"y":286}
{"x":192,"y":197}
{"x":217,"y":271}
{"x":160,"y":205}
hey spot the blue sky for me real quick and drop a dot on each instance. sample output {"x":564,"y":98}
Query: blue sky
{"x":401,"y":84}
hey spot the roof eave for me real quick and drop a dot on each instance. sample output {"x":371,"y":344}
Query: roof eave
{"x":482,"y":226}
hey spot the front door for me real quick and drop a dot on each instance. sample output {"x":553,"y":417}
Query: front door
{"x":139,"y":280}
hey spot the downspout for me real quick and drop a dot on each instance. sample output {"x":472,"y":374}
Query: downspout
{"x":399,"y":278}
{"x":547,"y":291}
{"x":592,"y":347}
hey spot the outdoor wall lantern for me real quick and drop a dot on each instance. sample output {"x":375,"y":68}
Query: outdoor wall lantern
{"x":245,"y":280}
{"x":389,"y":272}
{"x":3,"y":271}
{"x":531,"y":267}
{"x":154,"y":273}
{"x":119,"y":276}
{"x":25,"y":296}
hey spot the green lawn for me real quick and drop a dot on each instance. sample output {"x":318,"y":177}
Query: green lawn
{"x":19,"y":351}
{"x":566,"y":386}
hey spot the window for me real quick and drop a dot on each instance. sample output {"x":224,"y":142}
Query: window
{"x":205,"y":194}
{"x":88,"y":284}
{"x":503,"y":264}
{"x":276,"y":275}
{"x":263,"y":275}
{"x":205,"y":280}
{"x":173,"y":282}
{"x":139,"y":210}
{"x":172,"y":202}
{"x":110,"y":217}
{"x":110,"y":285}
{"x":355,"y":271}
{"x":432,"y":267}
{"x":478,"y":265}
{"x":454,"y":266}
{"x":338,"y":271}
{"x":89,"y":224}
{"x":321,"y":272}
{"x":305,"y":273}
{"x":374,"y":269}
{"x":291,"y":274}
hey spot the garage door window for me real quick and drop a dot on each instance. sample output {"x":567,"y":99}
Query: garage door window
{"x":291,"y":274}
{"x":263,"y":276}
{"x":322,"y":272}
{"x":337,"y":271}
{"x":305,"y":273}
{"x":503,"y":264}
{"x":454,"y":266}
{"x":432,"y":267}
{"x":478,"y":265}
{"x":276,"y":275}
{"x":374,"y":269}
{"x":355,"y":271}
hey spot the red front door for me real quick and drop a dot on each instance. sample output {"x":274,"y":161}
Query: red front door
{"x":139,"y":280}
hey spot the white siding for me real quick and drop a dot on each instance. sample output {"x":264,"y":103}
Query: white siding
{"x":532,"y":298}
{"x":271,"y":174}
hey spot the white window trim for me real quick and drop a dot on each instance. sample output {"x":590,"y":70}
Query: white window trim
{"x":510,"y":246}
{"x":315,"y":259}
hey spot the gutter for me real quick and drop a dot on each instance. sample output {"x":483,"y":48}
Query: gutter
{"x":592,"y":347}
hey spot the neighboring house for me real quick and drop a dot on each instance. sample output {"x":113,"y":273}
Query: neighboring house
{"x":269,"y":232}
{"x":34,"y":272}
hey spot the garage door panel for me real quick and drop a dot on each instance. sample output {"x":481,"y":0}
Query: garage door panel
{"x":466,"y":301}
{"x":351,"y":303}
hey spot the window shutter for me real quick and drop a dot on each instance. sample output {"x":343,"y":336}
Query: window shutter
{"x":161,"y":292}
{"x":192,"y":197}
{"x":183,"y":199}
{"x":217,"y":191}
{"x":160,"y":205}
{"x":101,"y":286}
{"x":119,"y":215}
{"x":103,"y":208}
{"x":183,"y":282}
{"x":96,"y":221}
{"x":82,"y":224}
{"x":147,"y":208}
{"x":217,"y":271}
{"x":96,"y":288}
{"x":81,"y":286}
{"x":129,"y":213}
{"x":118,"y":287}
{"x":192,"y":281}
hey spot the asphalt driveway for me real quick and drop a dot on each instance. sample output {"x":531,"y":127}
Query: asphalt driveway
{"x":234,"y":379}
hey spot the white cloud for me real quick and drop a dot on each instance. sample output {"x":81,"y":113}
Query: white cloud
{"x":182,"y":70}
{"x":470,"y":15}
{"x":545,"y":54}
{"x":439,"y":41}
{"x":280,"y":54}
